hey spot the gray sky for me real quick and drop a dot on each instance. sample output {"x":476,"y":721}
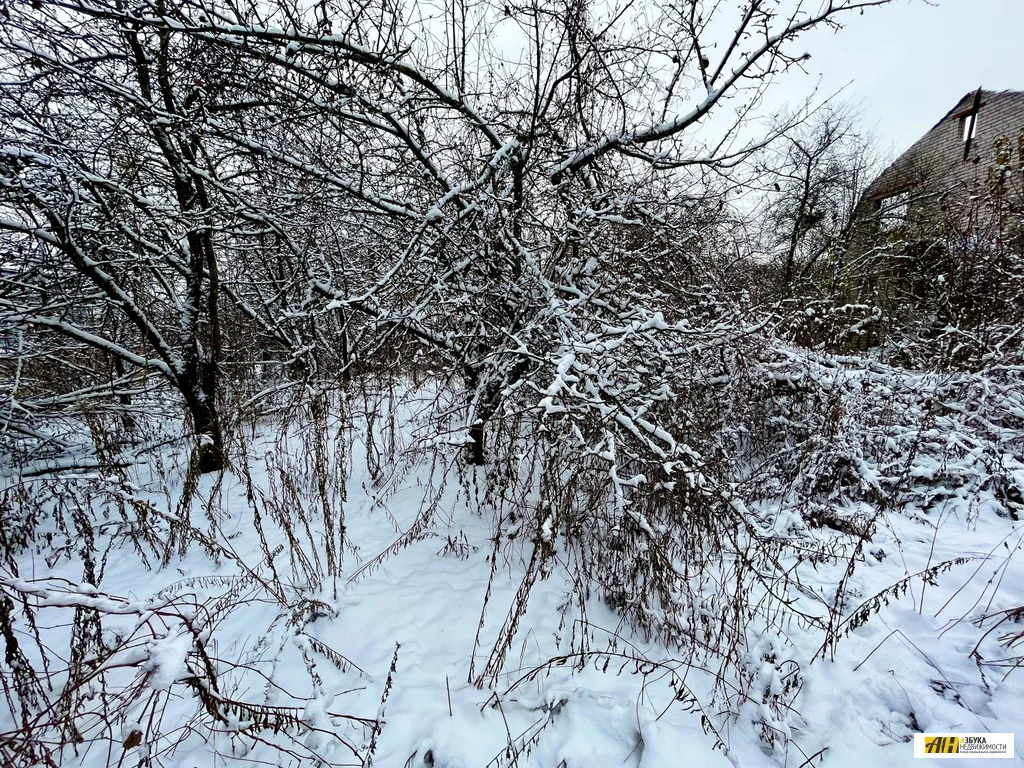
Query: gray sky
{"x":908,"y":63}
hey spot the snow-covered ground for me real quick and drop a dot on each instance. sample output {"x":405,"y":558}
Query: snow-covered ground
{"x":398,"y":633}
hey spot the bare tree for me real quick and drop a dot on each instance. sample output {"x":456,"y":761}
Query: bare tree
{"x":484,"y":183}
{"x":815,"y":174}
{"x":104,"y":168}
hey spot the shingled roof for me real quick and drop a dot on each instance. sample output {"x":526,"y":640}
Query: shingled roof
{"x":943,"y":158}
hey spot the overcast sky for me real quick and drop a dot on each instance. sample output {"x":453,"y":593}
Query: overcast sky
{"x":909,"y":62}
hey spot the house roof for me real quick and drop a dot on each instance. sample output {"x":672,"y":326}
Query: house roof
{"x":964,"y":102}
{"x":942,"y":147}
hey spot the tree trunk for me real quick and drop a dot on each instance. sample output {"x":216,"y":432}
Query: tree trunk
{"x":477,"y":455}
{"x":202,"y":404}
{"x":486,"y":407}
{"x":123,"y":397}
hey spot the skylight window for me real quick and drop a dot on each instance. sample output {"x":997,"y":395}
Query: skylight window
{"x":969,"y":126}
